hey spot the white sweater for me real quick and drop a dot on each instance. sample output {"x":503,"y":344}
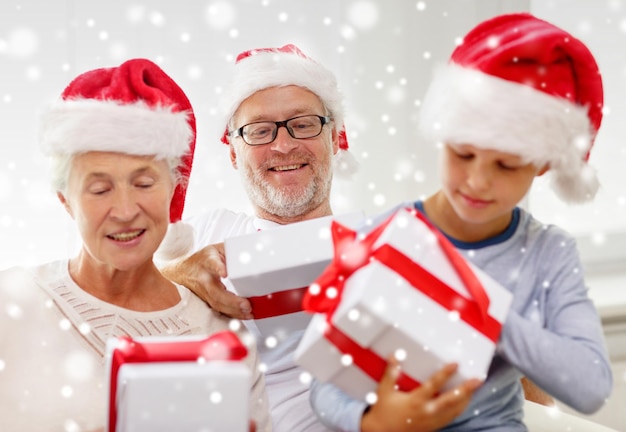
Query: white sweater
{"x":52,"y":342}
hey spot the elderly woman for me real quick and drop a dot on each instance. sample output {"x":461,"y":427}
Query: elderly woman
{"x":121,"y":141}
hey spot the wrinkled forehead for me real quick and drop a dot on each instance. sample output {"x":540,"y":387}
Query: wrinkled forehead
{"x":115,"y":164}
{"x":278,"y":103}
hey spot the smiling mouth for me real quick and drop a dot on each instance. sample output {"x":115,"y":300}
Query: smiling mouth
{"x":287,"y":167}
{"x":127,"y":236}
{"x":476,"y":201}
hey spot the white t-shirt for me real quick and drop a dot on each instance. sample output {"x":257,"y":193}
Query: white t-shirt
{"x":287,"y":384}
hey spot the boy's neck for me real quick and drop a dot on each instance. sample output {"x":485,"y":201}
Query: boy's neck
{"x":441,"y":213}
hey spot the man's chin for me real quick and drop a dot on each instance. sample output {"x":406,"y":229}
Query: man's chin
{"x":289,"y":208}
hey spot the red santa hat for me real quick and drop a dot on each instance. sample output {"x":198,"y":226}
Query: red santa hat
{"x":136,"y":109}
{"x":263,"y":68}
{"x":521,"y":85}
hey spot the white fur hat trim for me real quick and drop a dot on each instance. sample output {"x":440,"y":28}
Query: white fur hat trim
{"x":83,"y":125}
{"x":278,"y":69}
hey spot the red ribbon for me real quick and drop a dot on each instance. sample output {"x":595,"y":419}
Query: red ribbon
{"x":424,"y":281}
{"x":351,"y":254}
{"x":223,"y":345}
{"x":366,"y":359}
{"x":277,"y":303}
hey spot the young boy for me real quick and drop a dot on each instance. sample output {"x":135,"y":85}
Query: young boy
{"x":519,"y":98}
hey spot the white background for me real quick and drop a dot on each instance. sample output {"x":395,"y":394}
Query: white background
{"x":383,"y":52}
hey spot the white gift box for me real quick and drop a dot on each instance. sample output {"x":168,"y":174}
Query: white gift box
{"x":327,"y":363}
{"x":417,"y":319}
{"x":195,"y":395}
{"x":274,"y":267}
{"x":183,"y":396}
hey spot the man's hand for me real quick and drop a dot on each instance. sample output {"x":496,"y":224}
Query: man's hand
{"x":201,"y":273}
{"x":424,"y":409}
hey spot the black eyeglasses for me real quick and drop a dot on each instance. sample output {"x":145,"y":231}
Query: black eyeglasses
{"x":301,"y":127}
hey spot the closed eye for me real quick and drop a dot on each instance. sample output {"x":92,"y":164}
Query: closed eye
{"x":464,"y":156}
{"x":144,"y":185}
{"x":508,"y":167}
{"x":144,"y":181}
{"x":99,"y":188}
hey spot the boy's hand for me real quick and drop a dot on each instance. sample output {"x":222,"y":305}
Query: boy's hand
{"x":421,"y":410}
{"x":201,"y":273}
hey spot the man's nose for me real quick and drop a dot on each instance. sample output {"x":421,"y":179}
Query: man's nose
{"x":284,"y":142}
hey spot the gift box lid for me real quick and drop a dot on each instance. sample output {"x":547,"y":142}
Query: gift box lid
{"x":262,"y":262}
{"x":410,"y":233}
{"x":404,"y":238}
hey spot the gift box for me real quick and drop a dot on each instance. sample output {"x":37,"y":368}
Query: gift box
{"x":273,"y":269}
{"x":178,"y":384}
{"x":403,"y":290}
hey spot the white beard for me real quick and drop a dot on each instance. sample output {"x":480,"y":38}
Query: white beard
{"x":288,"y":202}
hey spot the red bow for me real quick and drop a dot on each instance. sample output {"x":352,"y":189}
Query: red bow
{"x":224,"y":345}
{"x":350,"y":254}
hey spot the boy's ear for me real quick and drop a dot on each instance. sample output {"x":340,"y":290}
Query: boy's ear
{"x":543,"y":170}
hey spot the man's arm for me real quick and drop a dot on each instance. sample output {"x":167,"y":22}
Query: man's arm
{"x":202,"y":273}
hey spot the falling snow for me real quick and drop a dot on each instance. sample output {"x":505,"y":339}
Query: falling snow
{"x":216,"y":397}
{"x":41,"y":50}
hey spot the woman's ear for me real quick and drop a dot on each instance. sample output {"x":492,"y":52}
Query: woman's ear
{"x":65,"y":203}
